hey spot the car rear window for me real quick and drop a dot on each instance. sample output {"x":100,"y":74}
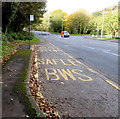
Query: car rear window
{"x":65,"y":32}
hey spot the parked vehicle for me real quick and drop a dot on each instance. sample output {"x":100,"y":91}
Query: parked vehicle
{"x":65,"y":34}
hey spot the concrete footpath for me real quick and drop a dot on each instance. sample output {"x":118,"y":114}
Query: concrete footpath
{"x":13,"y":91}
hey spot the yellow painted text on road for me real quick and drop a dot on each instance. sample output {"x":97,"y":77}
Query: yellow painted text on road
{"x":74,"y":74}
{"x":58,"y":61}
{"x":86,"y":78}
{"x":53,"y":73}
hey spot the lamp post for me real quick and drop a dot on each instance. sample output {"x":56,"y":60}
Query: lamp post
{"x":97,"y":31}
{"x":62,"y":24}
{"x":102,"y":24}
{"x":103,"y":15}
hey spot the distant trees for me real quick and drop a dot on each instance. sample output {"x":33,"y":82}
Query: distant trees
{"x":57,"y":20}
{"x":78,"y":22}
{"x":108,"y":18}
{"x":15,"y":15}
{"x":44,"y":25}
{"x":111,"y":23}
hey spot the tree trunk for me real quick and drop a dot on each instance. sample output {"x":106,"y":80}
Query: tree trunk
{"x":113,"y":34}
{"x":78,"y":30}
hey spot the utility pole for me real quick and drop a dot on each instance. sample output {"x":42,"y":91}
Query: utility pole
{"x":103,"y":15}
{"x":62,"y":24}
{"x":97,"y":31}
{"x":102,"y":24}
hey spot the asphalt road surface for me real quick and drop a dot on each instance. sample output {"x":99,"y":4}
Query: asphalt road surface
{"x":101,"y":55}
{"x":66,"y":70}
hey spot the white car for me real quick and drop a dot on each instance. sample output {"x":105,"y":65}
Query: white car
{"x":65,"y":34}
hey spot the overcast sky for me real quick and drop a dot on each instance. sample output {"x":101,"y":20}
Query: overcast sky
{"x":70,"y":6}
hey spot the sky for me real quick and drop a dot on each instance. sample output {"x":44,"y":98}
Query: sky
{"x":70,"y":6}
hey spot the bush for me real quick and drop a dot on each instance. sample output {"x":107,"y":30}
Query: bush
{"x":117,"y":37}
{"x":23,"y":35}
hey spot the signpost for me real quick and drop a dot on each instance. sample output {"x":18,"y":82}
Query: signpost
{"x":31,"y":19}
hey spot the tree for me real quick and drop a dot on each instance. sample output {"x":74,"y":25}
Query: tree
{"x":78,"y":21}
{"x":57,"y":20}
{"x":111,"y":23}
{"x":45,"y":24}
{"x":15,"y":15}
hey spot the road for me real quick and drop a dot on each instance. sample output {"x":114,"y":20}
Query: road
{"x":100,"y":55}
{"x":69,"y":80}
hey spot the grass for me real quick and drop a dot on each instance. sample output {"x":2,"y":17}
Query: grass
{"x":33,"y":41}
{"x":117,"y":38}
{"x":81,"y":34}
{"x":72,"y":34}
{"x":8,"y":47}
{"x":55,"y":33}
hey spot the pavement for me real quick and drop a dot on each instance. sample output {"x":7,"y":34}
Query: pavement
{"x":13,"y":101}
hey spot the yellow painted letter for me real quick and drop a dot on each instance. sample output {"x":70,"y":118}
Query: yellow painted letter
{"x":51,"y":73}
{"x":86,"y":78}
{"x":65,"y":74}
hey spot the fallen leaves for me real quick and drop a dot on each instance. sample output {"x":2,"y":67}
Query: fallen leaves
{"x":7,"y":57}
{"x":34,"y":85}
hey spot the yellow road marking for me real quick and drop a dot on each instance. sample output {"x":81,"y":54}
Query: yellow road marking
{"x":74,"y":71}
{"x":48,"y":62}
{"x":115,"y":86}
{"x":87,"y":78}
{"x":51,"y":74}
{"x":65,"y":74}
{"x":64,"y":62}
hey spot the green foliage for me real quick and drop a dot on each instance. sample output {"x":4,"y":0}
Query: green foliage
{"x":13,"y":40}
{"x":15,"y":15}
{"x":109,"y":20}
{"x":45,"y":24}
{"x":57,"y":20}
{"x":78,"y":22}
{"x":23,"y":35}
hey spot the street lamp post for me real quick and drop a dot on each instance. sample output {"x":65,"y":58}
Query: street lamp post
{"x":97,"y":31}
{"x":102,"y":24}
{"x":103,"y":15}
{"x":62,"y":24}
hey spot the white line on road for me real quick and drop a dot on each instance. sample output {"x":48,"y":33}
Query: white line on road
{"x":111,"y":53}
{"x":103,"y":50}
{"x":88,"y":47}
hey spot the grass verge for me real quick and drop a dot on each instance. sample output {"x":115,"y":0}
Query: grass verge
{"x":109,"y":38}
{"x":9,"y":47}
{"x":74,"y":34}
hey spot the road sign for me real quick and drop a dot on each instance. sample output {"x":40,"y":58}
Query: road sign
{"x":31,"y":17}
